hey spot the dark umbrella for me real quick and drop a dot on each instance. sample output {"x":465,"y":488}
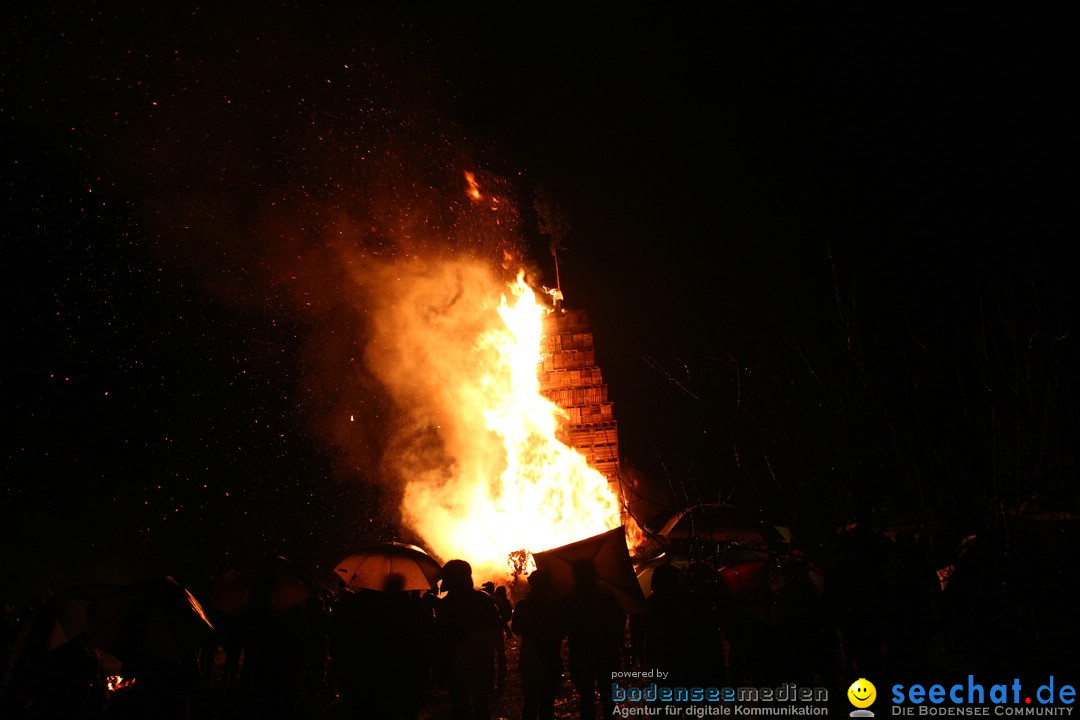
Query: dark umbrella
{"x":644,"y":570}
{"x":53,"y":670}
{"x":391,"y":564}
{"x":59,"y":620}
{"x":275,"y":586}
{"x":703,"y":531}
{"x":155,"y":619}
{"x":610,"y":558}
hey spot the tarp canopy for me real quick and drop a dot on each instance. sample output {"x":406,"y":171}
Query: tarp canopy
{"x":611,"y":562}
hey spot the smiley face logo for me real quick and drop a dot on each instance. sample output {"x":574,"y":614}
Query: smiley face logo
{"x":862,"y":693}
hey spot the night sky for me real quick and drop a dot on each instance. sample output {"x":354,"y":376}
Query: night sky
{"x":824,"y":251}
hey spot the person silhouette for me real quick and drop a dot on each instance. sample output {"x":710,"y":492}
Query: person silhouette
{"x":406,"y":628}
{"x":47,"y":680}
{"x":538,"y":621}
{"x":7,"y":636}
{"x":681,"y":631}
{"x":354,"y":643}
{"x":595,"y":634}
{"x":273,"y":655}
{"x":316,"y":647}
{"x":470,"y":632}
{"x":665,"y":609}
{"x":505,"y":607}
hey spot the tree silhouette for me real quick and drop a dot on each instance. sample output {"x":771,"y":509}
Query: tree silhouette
{"x":551,"y":221}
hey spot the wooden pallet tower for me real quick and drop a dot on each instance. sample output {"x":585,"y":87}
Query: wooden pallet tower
{"x":571,"y":379}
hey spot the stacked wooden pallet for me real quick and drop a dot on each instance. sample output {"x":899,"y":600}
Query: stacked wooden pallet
{"x":571,"y":379}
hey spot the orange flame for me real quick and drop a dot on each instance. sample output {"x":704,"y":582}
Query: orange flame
{"x":114,"y":683}
{"x":497,"y":480}
{"x":474,"y":188}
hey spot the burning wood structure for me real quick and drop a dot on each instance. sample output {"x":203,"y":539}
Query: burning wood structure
{"x":571,"y":379}
{"x":522,"y":412}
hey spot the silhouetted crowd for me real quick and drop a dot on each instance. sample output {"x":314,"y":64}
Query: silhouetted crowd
{"x":386,"y":654}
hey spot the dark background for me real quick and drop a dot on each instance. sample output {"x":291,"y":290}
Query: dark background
{"x":825,"y":250}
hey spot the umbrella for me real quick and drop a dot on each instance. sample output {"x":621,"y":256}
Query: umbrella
{"x":611,"y":563}
{"x":58,"y":621}
{"x":644,"y":570}
{"x":275,"y":586}
{"x":157,"y":619}
{"x":372,"y":568}
{"x":718,"y":524}
{"x":146,"y":619}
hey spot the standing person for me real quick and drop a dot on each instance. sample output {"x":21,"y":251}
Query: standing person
{"x":352,"y":663}
{"x":379,"y":642}
{"x":46,"y":681}
{"x":7,"y":636}
{"x":405,"y":634}
{"x":316,"y":647}
{"x":666,"y":627}
{"x":596,"y":631}
{"x":681,"y":631}
{"x":432,"y":667}
{"x":273,"y":656}
{"x":471,"y":634}
{"x":538,"y":621}
{"x":505,"y":607}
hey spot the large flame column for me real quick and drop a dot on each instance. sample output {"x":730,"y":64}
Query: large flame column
{"x":506,"y":477}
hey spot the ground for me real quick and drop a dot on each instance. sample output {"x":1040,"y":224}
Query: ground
{"x":224,"y":703}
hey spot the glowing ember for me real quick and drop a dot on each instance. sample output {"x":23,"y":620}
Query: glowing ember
{"x":484,"y":475}
{"x":116,"y":682}
{"x":474,"y":187}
